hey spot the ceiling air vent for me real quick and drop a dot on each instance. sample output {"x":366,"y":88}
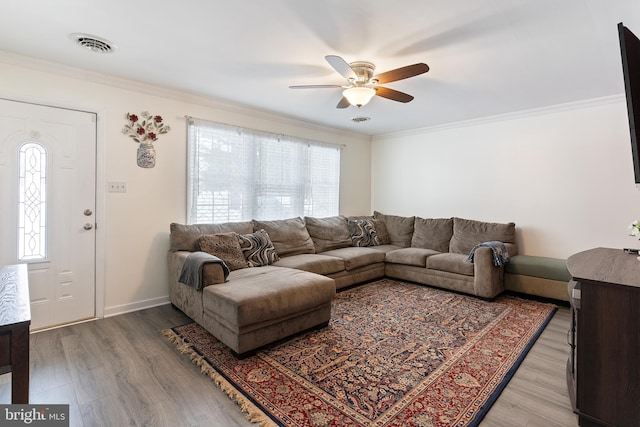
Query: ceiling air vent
{"x":93,"y":43}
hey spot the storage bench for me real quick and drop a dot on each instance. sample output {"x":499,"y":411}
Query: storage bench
{"x":539,"y":276}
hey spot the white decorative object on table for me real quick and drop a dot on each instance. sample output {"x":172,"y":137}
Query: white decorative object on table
{"x":145,"y":132}
{"x":634,"y":230}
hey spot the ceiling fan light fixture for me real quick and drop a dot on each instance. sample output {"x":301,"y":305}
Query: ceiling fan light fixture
{"x":359,"y":95}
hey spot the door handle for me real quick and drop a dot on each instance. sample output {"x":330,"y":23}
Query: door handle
{"x":88,"y":212}
{"x":88,"y":226}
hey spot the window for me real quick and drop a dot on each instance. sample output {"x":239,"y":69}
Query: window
{"x":238,"y":174}
{"x":32,"y":202}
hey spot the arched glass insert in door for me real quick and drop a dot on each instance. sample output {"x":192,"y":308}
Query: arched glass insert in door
{"x":32,"y":202}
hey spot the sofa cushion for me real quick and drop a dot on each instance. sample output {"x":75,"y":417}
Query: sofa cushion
{"x":467,"y":233}
{"x":410,"y":256}
{"x":225,"y":246}
{"x":432,"y":233}
{"x":184,"y":237}
{"x":450,"y":262}
{"x":255,"y":295}
{"x":289,"y":236}
{"x":328,"y":233}
{"x":315,"y":263}
{"x":258,"y":248}
{"x":400,"y":228}
{"x":385,"y":248}
{"x":363,"y":232}
{"x":536,"y":266}
{"x":382,"y":232}
{"x":357,"y":257}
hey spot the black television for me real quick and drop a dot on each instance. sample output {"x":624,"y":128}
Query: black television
{"x":630,"y":52}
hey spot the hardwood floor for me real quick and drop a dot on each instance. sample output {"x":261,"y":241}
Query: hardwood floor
{"x":120,"y":371}
{"x":537,"y":394}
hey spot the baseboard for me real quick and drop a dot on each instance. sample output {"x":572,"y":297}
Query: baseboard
{"x":135,"y":306}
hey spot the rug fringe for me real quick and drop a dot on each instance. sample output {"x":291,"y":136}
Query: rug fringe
{"x":252,"y":413}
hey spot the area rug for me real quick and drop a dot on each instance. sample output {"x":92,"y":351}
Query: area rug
{"x":394,"y":354}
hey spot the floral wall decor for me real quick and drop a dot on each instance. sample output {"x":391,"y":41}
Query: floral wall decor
{"x":145,"y":131}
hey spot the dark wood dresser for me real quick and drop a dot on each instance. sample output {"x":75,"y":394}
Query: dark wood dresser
{"x":15,"y":318}
{"x":603,"y":370}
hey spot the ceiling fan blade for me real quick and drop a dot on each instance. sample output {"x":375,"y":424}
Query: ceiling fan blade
{"x":402,"y":73}
{"x":314,"y":87}
{"x":344,"y":103}
{"x":393,"y":94}
{"x":341,"y":66}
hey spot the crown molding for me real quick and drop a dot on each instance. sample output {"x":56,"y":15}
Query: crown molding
{"x":36,"y":64}
{"x":534,"y":112}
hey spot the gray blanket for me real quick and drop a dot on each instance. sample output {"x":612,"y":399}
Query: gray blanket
{"x":500,"y":252}
{"x":191,"y":274}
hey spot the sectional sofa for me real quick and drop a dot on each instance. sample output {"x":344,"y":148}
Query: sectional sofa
{"x":270,"y":279}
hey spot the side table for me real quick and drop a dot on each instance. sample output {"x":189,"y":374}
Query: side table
{"x":15,"y":319}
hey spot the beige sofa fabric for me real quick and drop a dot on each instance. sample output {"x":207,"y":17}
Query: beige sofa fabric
{"x":328,"y":233}
{"x":253,"y":295}
{"x":454,"y":263}
{"x":289,"y":236}
{"x":258,"y":306}
{"x":400,"y":228}
{"x":410,"y":256}
{"x":381,"y":231}
{"x":185,"y":237}
{"x":314,"y":263}
{"x":432,"y":233}
{"x":355,"y":257}
{"x":488,"y":279}
{"x":467,"y":233}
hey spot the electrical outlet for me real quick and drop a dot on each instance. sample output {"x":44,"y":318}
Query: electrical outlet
{"x":117,"y":187}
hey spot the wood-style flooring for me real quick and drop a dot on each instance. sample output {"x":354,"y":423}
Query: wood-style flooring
{"x":120,"y":371}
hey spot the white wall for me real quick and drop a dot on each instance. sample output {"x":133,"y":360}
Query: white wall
{"x":564,"y":175}
{"x":135,"y":225}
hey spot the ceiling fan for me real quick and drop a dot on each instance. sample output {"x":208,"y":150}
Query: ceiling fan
{"x":362,"y":85}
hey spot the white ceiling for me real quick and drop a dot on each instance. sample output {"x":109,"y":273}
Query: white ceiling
{"x":487,"y":57}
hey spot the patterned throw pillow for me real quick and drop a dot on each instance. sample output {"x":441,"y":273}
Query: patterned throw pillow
{"x":226,"y":247}
{"x":258,"y":249}
{"x":363,"y":232}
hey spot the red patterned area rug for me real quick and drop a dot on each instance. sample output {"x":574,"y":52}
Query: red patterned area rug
{"x":394,"y":354}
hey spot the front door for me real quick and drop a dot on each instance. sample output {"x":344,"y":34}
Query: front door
{"x":47,"y":196}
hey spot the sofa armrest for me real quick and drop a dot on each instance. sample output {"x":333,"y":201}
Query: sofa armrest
{"x":512,"y":248}
{"x":488,"y":279}
{"x":212,"y":273}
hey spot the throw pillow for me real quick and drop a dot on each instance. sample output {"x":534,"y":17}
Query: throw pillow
{"x":381,"y":229}
{"x":226,"y":247}
{"x":363,"y":232}
{"x":258,"y":249}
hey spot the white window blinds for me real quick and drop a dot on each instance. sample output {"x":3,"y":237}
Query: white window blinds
{"x":238,"y":174}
